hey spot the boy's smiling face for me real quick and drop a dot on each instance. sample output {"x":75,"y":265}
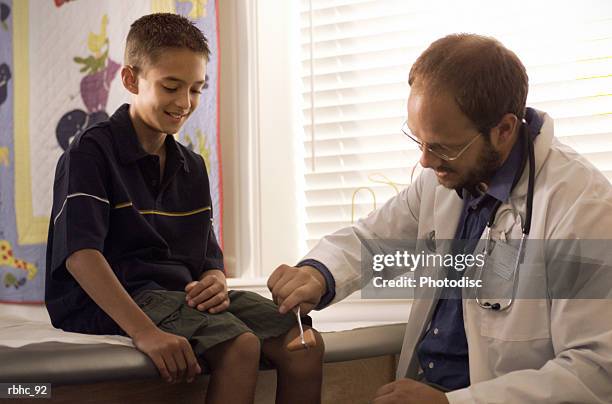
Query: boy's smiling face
{"x":168,"y":89}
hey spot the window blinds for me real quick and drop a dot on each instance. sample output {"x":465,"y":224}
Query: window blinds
{"x":356,"y":56}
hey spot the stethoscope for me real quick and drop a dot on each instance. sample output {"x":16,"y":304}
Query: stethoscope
{"x":525,"y":228}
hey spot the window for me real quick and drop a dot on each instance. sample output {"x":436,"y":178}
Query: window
{"x":356,"y":56}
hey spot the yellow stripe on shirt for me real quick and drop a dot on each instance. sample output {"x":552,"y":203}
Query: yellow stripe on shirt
{"x":124,"y":205}
{"x":162,"y":213}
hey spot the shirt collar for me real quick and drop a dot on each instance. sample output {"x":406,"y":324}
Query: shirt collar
{"x":126,"y":142}
{"x":173,"y":149}
{"x":501,"y":183}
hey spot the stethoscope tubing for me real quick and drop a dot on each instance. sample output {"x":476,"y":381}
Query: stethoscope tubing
{"x":525,"y":230}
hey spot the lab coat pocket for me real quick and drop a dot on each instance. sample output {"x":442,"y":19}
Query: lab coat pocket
{"x":525,"y":320}
{"x":528,"y":318}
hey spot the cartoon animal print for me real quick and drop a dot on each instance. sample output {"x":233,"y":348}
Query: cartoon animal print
{"x":100,"y":71}
{"x":5,"y":76}
{"x":5,"y":11}
{"x":194,"y":9}
{"x":7,"y":259}
{"x":4,"y":156}
{"x":59,"y":3}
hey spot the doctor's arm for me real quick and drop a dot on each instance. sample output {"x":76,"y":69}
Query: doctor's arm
{"x":340,"y":252}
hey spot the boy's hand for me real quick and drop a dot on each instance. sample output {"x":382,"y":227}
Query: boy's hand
{"x":291,"y":286}
{"x":209,"y":293}
{"x":171,"y":353}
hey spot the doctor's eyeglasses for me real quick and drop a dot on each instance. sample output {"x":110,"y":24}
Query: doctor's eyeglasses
{"x":440,"y":151}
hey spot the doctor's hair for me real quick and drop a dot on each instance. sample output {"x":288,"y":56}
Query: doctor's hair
{"x":486,"y":79}
{"x":151,"y":34}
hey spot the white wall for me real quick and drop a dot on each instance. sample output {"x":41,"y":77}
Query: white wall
{"x":260,"y":149}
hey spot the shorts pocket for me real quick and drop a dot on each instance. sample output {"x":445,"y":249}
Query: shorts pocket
{"x":185,"y":322}
{"x":159,"y":306}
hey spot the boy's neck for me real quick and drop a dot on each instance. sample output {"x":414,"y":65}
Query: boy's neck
{"x":151,"y":140}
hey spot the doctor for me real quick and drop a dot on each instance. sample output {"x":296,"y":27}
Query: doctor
{"x":479,"y":143}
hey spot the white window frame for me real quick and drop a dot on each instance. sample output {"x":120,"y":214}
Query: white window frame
{"x":263,"y":164}
{"x":262,"y":207}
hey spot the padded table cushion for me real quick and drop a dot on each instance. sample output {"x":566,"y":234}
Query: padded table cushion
{"x":63,"y":363}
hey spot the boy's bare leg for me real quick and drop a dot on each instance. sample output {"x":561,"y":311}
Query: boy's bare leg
{"x":234,"y":365}
{"x":299,"y":373}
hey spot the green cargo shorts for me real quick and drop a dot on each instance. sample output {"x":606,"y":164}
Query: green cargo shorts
{"x":248,"y":312}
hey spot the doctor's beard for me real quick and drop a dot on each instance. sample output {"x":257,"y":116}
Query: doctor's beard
{"x":482,"y":170}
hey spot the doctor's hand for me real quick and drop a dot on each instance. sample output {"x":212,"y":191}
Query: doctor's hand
{"x":209,"y":293}
{"x":291,"y":286}
{"x":408,"y":391}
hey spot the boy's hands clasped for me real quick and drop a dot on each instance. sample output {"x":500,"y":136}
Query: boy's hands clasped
{"x":209,"y":293}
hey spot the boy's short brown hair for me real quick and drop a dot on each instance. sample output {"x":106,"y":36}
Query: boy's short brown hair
{"x":152,"y":34}
{"x":486,"y":79}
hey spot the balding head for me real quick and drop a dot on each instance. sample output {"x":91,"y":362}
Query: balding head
{"x":486,"y":79}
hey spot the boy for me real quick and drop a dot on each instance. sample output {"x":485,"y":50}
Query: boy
{"x":131,"y":247}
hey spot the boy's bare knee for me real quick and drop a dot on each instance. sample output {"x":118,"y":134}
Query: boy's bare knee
{"x":246,"y":346}
{"x":241,"y":351}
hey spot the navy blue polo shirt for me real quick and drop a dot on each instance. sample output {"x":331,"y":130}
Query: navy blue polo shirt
{"x":156,"y":233}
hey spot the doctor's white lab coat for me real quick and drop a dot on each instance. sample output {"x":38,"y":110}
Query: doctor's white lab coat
{"x":540,"y":350}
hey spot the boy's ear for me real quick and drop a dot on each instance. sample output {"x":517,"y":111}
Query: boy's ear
{"x":129,"y":79}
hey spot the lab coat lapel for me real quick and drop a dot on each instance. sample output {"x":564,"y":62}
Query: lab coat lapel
{"x":446,"y":212}
{"x":447,"y":209}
